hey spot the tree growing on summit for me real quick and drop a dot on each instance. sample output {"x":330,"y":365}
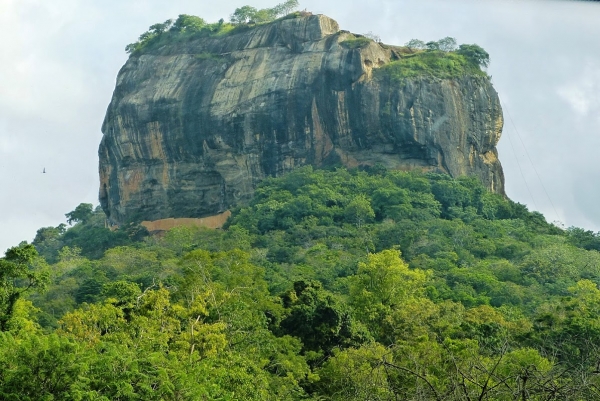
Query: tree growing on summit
{"x":161,"y":28}
{"x":432,"y":45}
{"x":475,"y":54}
{"x":243,"y":15}
{"x":415,"y":44}
{"x":372,"y":36}
{"x":447,"y":44}
{"x":264,"y":15}
{"x":248,"y":14}
{"x":188,"y":23}
{"x":286,"y":7}
{"x":153,"y":32}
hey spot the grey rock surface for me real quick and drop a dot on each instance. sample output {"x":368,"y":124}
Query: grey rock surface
{"x":193,"y":127}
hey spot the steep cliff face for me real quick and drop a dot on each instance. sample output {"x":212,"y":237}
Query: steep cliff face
{"x":194,"y":126}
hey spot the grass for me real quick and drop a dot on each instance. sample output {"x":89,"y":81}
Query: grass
{"x":293,"y":15}
{"x":171,"y":37}
{"x":209,"y":30}
{"x":355,"y":43}
{"x":438,"y":64}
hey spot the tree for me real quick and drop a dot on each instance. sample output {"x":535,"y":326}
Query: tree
{"x":159,"y":28}
{"x":249,"y":14}
{"x":356,"y":374}
{"x":17,"y":277}
{"x":263,"y":15}
{"x":447,"y":44}
{"x":319,"y":319}
{"x":474,"y":54}
{"x":432,"y":45}
{"x":243,"y":15}
{"x":585,"y":239}
{"x":188,"y":23}
{"x":94,"y":240}
{"x":40,"y":367}
{"x":415,"y":44}
{"x":82,"y":213}
{"x":285,"y":8}
{"x":381,"y":285}
{"x":373,"y":36}
{"x":48,"y":240}
{"x":45,"y":234}
{"x":451,"y":193}
{"x":359,"y":211}
{"x":153,"y":32}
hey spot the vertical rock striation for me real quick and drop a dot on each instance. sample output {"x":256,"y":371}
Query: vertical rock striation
{"x":194,"y":126}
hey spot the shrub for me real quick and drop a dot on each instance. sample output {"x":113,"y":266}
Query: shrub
{"x":190,"y":26}
{"x":355,"y":43}
{"x":475,"y":54}
{"x":433,"y":63}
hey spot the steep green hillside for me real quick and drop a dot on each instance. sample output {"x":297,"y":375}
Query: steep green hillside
{"x":342,"y":285}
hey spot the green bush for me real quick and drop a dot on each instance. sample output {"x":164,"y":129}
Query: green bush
{"x":434,"y":63}
{"x":189,"y":26}
{"x":356,"y":43}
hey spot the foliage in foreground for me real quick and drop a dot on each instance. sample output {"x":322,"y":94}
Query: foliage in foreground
{"x":341,"y":285}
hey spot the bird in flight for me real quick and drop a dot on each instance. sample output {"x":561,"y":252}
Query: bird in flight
{"x":44,"y":171}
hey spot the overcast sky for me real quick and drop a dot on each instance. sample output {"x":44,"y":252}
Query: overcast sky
{"x":59,"y":60}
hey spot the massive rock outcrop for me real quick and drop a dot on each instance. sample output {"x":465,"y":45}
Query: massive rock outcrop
{"x":194,"y":126}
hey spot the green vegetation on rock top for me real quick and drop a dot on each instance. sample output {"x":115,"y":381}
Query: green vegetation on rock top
{"x":187,"y":27}
{"x":441,"y":59}
{"x":356,"y":43}
{"x":429,"y":64}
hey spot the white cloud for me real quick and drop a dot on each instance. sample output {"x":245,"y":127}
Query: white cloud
{"x":35,"y":79}
{"x":7,"y":144}
{"x":583,"y":92}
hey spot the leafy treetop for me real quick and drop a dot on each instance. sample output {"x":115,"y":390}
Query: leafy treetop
{"x":188,"y":25}
{"x":441,"y":59}
{"x":17,"y":277}
{"x":82,"y":213}
{"x":249,"y":14}
{"x":473,"y":53}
